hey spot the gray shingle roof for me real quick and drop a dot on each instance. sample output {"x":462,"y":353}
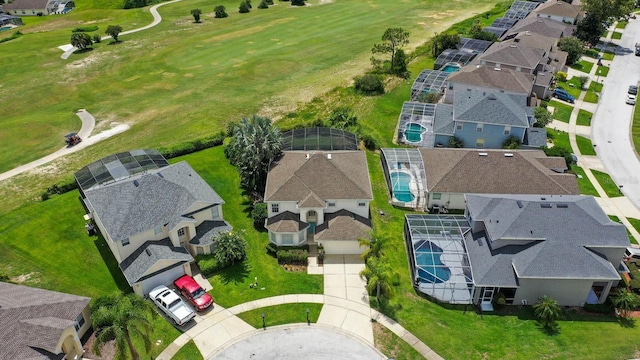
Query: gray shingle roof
{"x":457,"y":171}
{"x":149,"y":254}
{"x":557,"y":241}
{"x":343,"y":225}
{"x":32,"y":320}
{"x":536,"y":137}
{"x":488,"y":77}
{"x":443,"y":119}
{"x":490,"y":108}
{"x":207,"y":230}
{"x":161,"y":197}
{"x":286,"y":221}
{"x":295,"y":178}
{"x":542,"y":26}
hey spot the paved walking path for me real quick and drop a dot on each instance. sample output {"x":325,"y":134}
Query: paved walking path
{"x":621,"y":206}
{"x":69,"y":49}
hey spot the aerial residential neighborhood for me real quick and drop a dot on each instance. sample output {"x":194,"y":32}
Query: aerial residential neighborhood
{"x":190,"y":180}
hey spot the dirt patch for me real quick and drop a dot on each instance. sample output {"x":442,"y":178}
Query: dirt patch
{"x":21,"y":279}
{"x":383,"y":341}
{"x":108,"y":350}
{"x":294,"y":268}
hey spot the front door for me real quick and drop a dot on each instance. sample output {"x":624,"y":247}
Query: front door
{"x":486,"y":300}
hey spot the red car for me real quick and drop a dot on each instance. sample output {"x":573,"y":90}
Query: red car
{"x":193,"y":292}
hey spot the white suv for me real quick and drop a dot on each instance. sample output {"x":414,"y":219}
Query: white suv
{"x":172,"y":305}
{"x":632,"y":254}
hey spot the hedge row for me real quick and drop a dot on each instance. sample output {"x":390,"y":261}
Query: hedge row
{"x":293,"y":257}
{"x":15,"y":35}
{"x":193,"y":146}
{"x":85,"y":29}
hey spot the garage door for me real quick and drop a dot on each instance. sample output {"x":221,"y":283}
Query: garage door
{"x":342,"y":247}
{"x":164,"y":278}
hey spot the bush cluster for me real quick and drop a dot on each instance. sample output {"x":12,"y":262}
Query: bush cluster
{"x":293,"y":256}
{"x":599,"y":308}
{"x":85,"y":29}
{"x":59,"y":188}
{"x":259,"y":214}
{"x":208,"y":264}
{"x":15,"y":35}
{"x":193,"y":146}
{"x":369,"y":84}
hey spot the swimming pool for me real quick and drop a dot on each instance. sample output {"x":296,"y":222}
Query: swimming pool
{"x":430,"y":268}
{"x":401,"y":190}
{"x":413,"y":132}
{"x":450,"y":67}
{"x":5,"y":28}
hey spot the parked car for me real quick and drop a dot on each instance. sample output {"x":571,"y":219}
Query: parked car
{"x":562,"y":94}
{"x":172,"y":305}
{"x":632,"y":254}
{"x":193,"y":292}
{"x":633,"y":90}
{"x":631,"y":99}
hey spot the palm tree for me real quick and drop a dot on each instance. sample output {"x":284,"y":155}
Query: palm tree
{"x":625,"y":301}
{"x":255,"y":143}
{"x":547,"y":311}
{"x":81,"y":40}
{"x":379,"y":277}
{"x":119,"y":317}
{"x":113,"y":31}
{"x":376,"y":246}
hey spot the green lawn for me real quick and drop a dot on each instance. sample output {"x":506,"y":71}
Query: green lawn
{"x":591,"y":97}
{"x":585,"y":146}
{"x":572,"y":86}
{"x":608,"y":55}
{"x":595,"y":86}
{"x":560,"y":138}
{"x":188,"y":352}
{"x":622,"y":24}
{"x":282,"y":314}
{"x":181,"y":78}
{"x":231,"y":286}
{"x":584,"y":118}
{"x":602,"y":71}
{"x":616,"y":35}
{"x":635,"y":130}
{"x":561,"y":111}
{"x":607,"y":183}
{"x":584,"y":184}
{"x":583,"y":65}
{"x":636,"y":225}
{"x":393,"y":346}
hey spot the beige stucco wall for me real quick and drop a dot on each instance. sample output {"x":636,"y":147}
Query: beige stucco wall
{"x":454,"y":201}
{"x":568,"y":292}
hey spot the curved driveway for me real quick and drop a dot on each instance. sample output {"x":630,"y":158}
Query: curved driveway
{"x":611,"y":123}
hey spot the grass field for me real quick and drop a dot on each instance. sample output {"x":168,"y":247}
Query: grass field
{"x":616,"y":35}
{"x":188,"y":352}
{"x":584,"y":184}
{"x":561,"y":111}
{"x":584,"y":118}
{"x":181,"y":80}
{"x":583,"y":65}
{"x":282,"y":314}
{"x":607,"y":183}
{"x":635,"y":130}
{"x":585,"y":146}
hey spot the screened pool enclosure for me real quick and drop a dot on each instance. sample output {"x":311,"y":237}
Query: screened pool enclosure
{"x":406,"y":179}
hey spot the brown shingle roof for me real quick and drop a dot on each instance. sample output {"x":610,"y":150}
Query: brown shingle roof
{"x":558,"y":8}
{"x":295,"y":178}
{"x":343,"y":225}
{"x":32,"y":320}
{"x":542,"y":26}
{"x":465,"y":171}
{"x":487,"y":76}
{"x":286,"y":222}
{"x":513,"y":54}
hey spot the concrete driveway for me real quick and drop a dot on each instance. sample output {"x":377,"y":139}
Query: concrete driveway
{"x":611,"y":123}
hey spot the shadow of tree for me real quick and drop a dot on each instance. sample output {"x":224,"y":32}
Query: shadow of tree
{"x":627,"y":322}
{"x":82,"y":51}
{"x":235,"y":274}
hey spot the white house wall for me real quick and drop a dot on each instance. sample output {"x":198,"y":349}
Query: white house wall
{"x":614,"y":255}
{"x":568,"y":292}
{"x":319,"y":212}
{"x":450,"y":200}
{"x":352,"y":205}
{"x":338,"y":247}
{"x":135,"y":242}
{"x":283,"y":206}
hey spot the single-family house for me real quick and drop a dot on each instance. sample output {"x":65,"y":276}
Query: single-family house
{"x":442,"y":177}
{"x":41,"y":324}
{"x":29,"y":7}
{"x":319,"y":197}
{"x":155,"y":217}
{"x":539,"y":25}
{"x":560,"y":11}
{"x":486,"y":78}
{"x":6,"y":19}
{"x":517,"y":248}
{"x":513,"y":56}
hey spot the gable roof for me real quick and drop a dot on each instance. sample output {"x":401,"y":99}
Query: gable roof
{"x":457,"y":171}
{"x":490,"y":108}
{"x":286,"y":221}
{"x":559,"y":8}
{"x":443,"y":119}
{"x":312,"y":181}
{"x":563,"y":241}
{"x":489,"y":77}
{"x":143,"y":202}
{"x":343,"y":225}
{"x":135,"y":266}
{"x":512,"y":54}
{"x":533,"y":40}
{"x":26,"y":4}
{"x":542,"y":26}
{"x":32,"y":320}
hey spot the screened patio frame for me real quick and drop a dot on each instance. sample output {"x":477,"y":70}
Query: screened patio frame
{"x":438,"y":258}
{"x":416,"y":113}
{"x":319,"y":138}
{"x":461,"y":57}
{"x":475,"y":45}
{"x":516,"y":14}
{"x":428,"y":81}
{"x":504,"y":23}
{"x":407,"y":161}
{"x":524,"y":5}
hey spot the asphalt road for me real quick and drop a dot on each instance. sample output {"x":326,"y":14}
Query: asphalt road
{"x":611,"y":123}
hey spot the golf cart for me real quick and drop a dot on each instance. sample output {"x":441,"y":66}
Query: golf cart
{"x":72,"y":139}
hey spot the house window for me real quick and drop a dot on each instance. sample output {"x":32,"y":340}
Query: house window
{"x":200,"y":250}
{"x":181,"y":232}
{"x":450,"y":86}
{"x":158,"y":230}
{"x":480,"y":143}
{"x":125,"y":242}
{"x":436,"y":196}
{"x":287,"y":239}
{"x":362,"y":203}
{"x":79,"y":322}
{"x":275,"y":208}
{"x":273,"y":238}
{"x":215,"y":213}
{"x":459,"y":126}
{"x":507,"y":130}
{"x":479,"y":128}
{"x":332,"y":204}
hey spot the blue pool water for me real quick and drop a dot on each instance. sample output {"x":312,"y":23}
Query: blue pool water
{"x":5,"y":28}
{"x":450,"y":67}
{"x":430,"y":268}
{"x":401,"y":190}
{"x":413,"y":132}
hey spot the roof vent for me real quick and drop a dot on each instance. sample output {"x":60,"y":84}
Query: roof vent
{"x":148,"y":252}
{"x":136,"y":183}
{"x":160,"y":174}
{"x":496,"y":69}
{"x":528,"y":33}
{"x":543,"y":198}
{"x":492,"y":97}
{"x":508,"y":155}
{"x":513,"y":46}
{"x":545,"y":205}
{"x":329,"y":156}
{"x":520,"y":205}
{"x":483,"y":154}
{"x":562,"y":206}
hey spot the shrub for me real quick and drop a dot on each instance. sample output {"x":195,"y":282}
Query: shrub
{"x":599,"y":308}
{"x":15,"y":35}
{"x":131,"y":4}
{"x":221,"y":12}
{"x":512,"y":142}
{"x":582,"y":80}
{"x":543,"y":116}
{"x":193,"y":146}
{"x":561,"y":76}
{"x":342,"y":118}
{"x":96,"y":38}
{"x":208,"y":264}
{"x":297,"y":2}
{"x":269,"y":2}
{"x":369,"y":84}
{"x":272,"y":249}
{"x":243,"y":8}
{"x":369,"y":142}
{"x":259,"y":214}
{"x":85,"y":29}
{"x":293,"y":256}
{"x":263,"y":5}
{"x":321,"y":252}
{"x":454,"y":142}
{"x":560,"y":151}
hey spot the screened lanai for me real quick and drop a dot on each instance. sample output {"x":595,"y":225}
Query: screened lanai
{"x":319,"y":138}
{"x":475,"y":45}
{"x":438,"y":259}
{"x":516,"y":14}
{"x":504,"y":23}
{"x":119,"y":166}
{"x":524,"y":5}
{"x":453,"y":56}
{"x":415,"y":124}
{"x":406,"y":179}
{"x":429,"y":81}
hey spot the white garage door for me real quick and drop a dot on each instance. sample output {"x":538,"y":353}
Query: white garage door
{"x":165,"y":278}
{"x":342,"y":247}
